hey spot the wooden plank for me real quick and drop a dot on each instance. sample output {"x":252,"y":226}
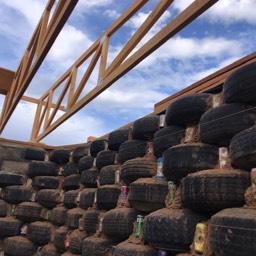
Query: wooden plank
{"x":103,"y":59}
{"x":60,"y":99}
{"x":6,"y":77}
{"x":86,"y":76}
{"x":35,"y":127}
{"x":139,"y":34}
{"x":72,"y":86}
{"x":36,"y":101}
{"x":211,"y":81}
{"x":50,"y":38}
{"x":43,"y":30}
{"x":178,"y":23}
{"x":48,"y":109}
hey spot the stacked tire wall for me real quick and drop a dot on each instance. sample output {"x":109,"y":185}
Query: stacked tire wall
{"x":87,"y":201}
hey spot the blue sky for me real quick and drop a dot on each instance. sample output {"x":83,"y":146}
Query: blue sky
{"x":222,"y":35}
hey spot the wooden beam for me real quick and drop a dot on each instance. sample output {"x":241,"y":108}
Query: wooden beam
{"x":62,"y":95}
{"x":206,"y":83}
{"x":103,"y":59}
{"x":48,"y":42}
{"x":86,"y":76}
{"x":36,"y":101}
{"x":178,"y":23}
{"x":6,"y":77}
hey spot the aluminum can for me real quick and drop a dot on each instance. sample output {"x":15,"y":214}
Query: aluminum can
{"x":200,"y":237}
{"x":117,"y":177}
{"x":161,"y":121}
{"x":124,"y":194}
{"x":139,"y":225}
{"x":172,"y":190}
{"x":159,"y":174}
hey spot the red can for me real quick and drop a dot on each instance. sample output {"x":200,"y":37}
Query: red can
{"x":124,"y":194}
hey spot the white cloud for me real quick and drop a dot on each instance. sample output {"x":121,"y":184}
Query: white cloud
{"x":69,"y":45}
{"x":113,"y":14}
{"x":76,"y":130}
{"x":181,"y":48}
{"x":234,"y":11}
{"x":93,"y":3}
{"x":226,"y":11}
{"x":32,"y":10}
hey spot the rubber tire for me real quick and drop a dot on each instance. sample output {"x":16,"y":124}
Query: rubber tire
{"x":243,"y":149}
{"x":9,"y":179}
{"x":87,"y":198}
{"x":91,"y":221}
{"x":9,"y":226}
{"x":167,"y":137}
{"x":39,"y":168}
{"x":148,"y":194}
{"x":85,"y":163}
{"x":132,"y":149}
{"x":70,"y":168}
{"x":40,"y":232}
{"x":76,"y":240}
{"x":187,"y":110}
{"x":117,"y":224}
{"x":104,"y":158}
{"x":97,"y":146}
{"x":72,"y":182}
{"x":60,"y":155}
{"x":73,"y":216}
{"x":46,"y":182}
{"x":214,"y":190}
{"x":116,"y":138}
{"x":79,"y":152}
{"x":19,"y":246}
{"x":107,"y":196}
{"x":220,"y":124}
{"x":107,"y":174}
{"x":89,"y":177}
{"x":240,"y":85}
{"x":183,"y":159}
{"x":137,"y":168}
{"x":48,"y":198}
{"x":96,"y":246}
{"x":145,"y":128}
{"x":16,"y":194}
{"x":59,"y":238}
{"x":59,"y":215}
{"x":33,"y":153}
{"x":233,"y":232}
{"x":129,"y":249}
{"x":171,"y":229}
{"x":29,"y":212}
{"x":70,"y":199}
